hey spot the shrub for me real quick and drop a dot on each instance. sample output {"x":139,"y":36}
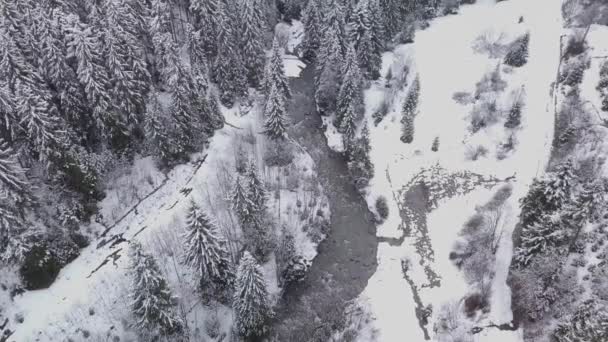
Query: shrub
{"x":44,"y":260}
{"x":517,"y":55}
{"x":474,"y":153}
{"x":382,"y":207}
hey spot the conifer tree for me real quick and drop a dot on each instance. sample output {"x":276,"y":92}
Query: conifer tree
{"x":360,"y":22}
{"x":206,"y":250}
{"x":514,"y":118}
{"x":330,"y":59}
{"x":360,"y":166}
{"x":84,"y":46}
{"x":37,"y":121}
{"x":9,"y":124}
{"x":275,"y":73}
{"x":124,"y":59}
{"x":435,"y":146}
{"x":602,"y":86}
{"x":312,"y":21}
{"x":206,"y":13}
{"x":276,"y":122}
{"x":348,"y":127}
{"x":251,"y":303}
{"x":518,"y":53}
{"x":350,"y":97}
{"x":152,"y":303}
{"x":241,"y":204}
{"x":229,"y":71}
{"x":409,"y":112}
{"x":536,"y":238}
{"x":252,"y":40}
{"x":256,"y":190}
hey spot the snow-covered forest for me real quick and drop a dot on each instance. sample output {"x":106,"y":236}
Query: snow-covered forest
{"x":303,"y":170}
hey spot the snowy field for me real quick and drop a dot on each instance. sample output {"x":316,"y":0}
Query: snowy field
{"x":446,"y":62}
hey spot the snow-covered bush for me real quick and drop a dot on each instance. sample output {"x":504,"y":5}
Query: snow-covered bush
{"x":517,"y":55}
{"x":382,"y":207}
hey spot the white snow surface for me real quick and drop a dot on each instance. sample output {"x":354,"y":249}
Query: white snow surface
{"x":443,"y":57}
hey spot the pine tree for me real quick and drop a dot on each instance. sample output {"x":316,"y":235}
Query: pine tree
{"x":241,"y":204}
{"x":348,"y":127}
{"x":435,"y":146}
{"x":256,"y":190}
{"x":251,"y":303}
{"x":37,"y":121}
{"x":229,"y":70}
{"x":558,"y":185}
{"x":162,"y":140}
{"x":360,"y":22}
{"x":536,"y":238}
{"x":84,"y":46}
{"x":276,"y":122}
{"x":370,"y":59}
{"x":275,"y":73}
{"x":514,"y":118}
{"x":330,"y":60}
{"x":602,"y":86}
{"x":312,"y":21}
{"x":257,"y":229}
{"x":518,"y":53}
{"x":9,"y":124}
{"x":409,"y":112}
{"x":152,"y":303}
{"x":252,"y":40}
{"x":350,"y":97}
{"x":125,"y":62}
{"x":206,"y":12}
{"x":359,"y":164}
{"x":588,"y":324}
{"x":206,"y":250}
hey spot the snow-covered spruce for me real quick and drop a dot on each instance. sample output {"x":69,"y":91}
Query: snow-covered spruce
{"x":251,"y":303}
{"x":409,"y":112}
{"x":206,"y":251}
{"x":252,"y":40}
{"x":152,"y":302}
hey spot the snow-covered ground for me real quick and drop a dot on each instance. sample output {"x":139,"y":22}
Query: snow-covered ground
{"x":444,"y":59}
{"x":90,"y":294}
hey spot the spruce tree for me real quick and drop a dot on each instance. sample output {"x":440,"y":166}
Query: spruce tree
{"x":206,"y":14}
{"x":514,"y":118}
{"x":9,"y":124}
{"x":206,"y":250}
{"x":125,"y":62}
{"x":276,"y":122}
{"x":350,"y":97}
{"x":360,"y":22}
{"x":602,"y":86}
{"x":85,"y":47}
{"x":275,"y":73}
{"x":435,"y":146}
{"x":241,"y":204}
{"x":229,"y":70}
{"x":257,"y":229}
{"x":360,"y":166}
{"x":409,"y":112}
{"x":518,"y":53}
{"x":252,"y":40}
{"x":37,"y":121}
{"x":330,"y":59}
{"x":256,"y":190}
{"x":251,"y":302}
{"x":312,"y":21}
{"x":152,"y":302}
{"x":536,"y":238}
